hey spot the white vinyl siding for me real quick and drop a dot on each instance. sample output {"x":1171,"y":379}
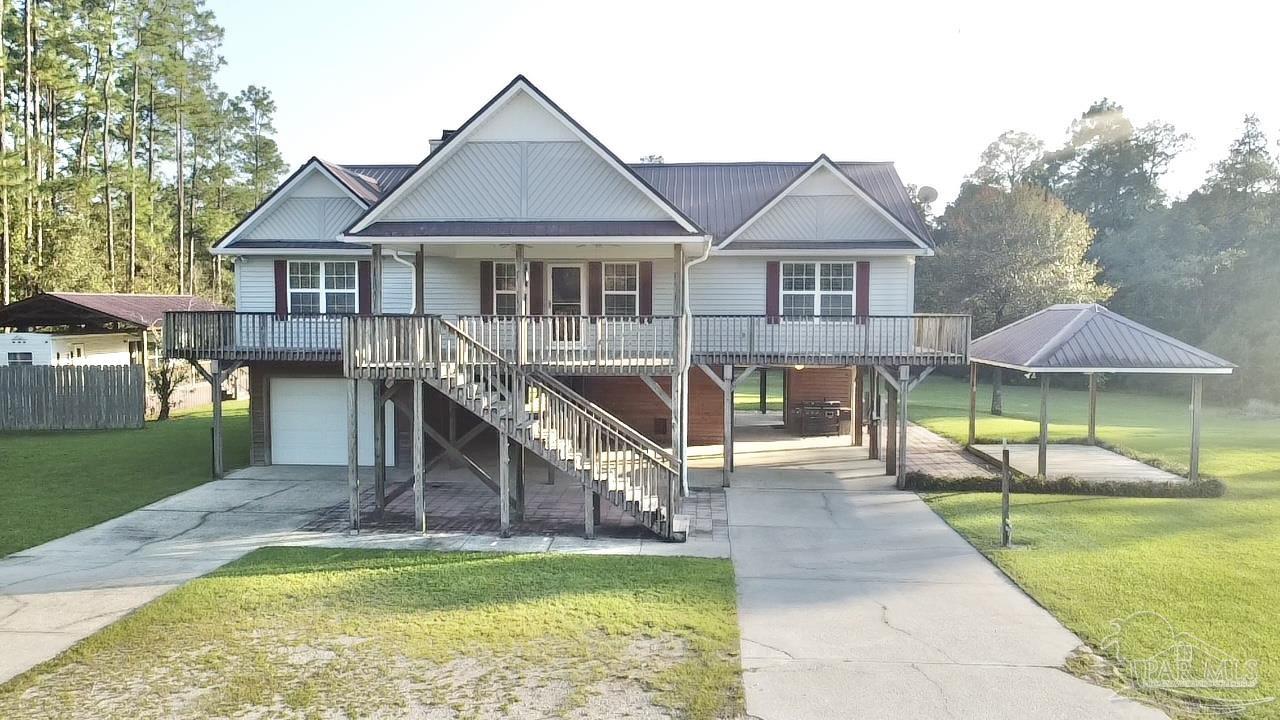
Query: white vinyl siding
{"x":736,"y":285}
{"x":256,"y":283}
{"x":297,"y":218}
{"x":892,"y":286}
{"x":397,"y":287}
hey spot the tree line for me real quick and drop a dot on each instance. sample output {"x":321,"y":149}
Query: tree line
{"x":1088,"y":222}
{"x":121,"y":159}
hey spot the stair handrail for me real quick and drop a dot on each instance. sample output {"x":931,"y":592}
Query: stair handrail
{"x":591,"y":407}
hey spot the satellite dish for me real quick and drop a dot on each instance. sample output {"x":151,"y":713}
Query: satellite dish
{"x":926,"y":194}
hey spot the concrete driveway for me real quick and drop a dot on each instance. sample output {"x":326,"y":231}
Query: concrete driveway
{"x":55,"y":594}
{"x":857,"y":601}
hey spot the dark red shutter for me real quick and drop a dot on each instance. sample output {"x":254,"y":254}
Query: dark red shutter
{"x":595,"y":288}
{"x":862,"y":290}
{"x":282,"y":288}
{"x":772,"y":289}
{"x":646,"y":287}
{"x":486,"y":287}
{"x":364,"y":283}
{"x":537,"y":277}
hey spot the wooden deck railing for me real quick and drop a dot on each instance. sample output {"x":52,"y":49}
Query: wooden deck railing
{"x":227,"y":335}
{"x":574,"y":345}
{"x":840,"y":341}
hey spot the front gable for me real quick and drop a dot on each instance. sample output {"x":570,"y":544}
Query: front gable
{"x":821,"y":208}
{"x":311,"y":206}
{"x":522,"y":159}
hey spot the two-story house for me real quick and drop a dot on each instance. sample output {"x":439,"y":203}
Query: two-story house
{"x":523,"y":280}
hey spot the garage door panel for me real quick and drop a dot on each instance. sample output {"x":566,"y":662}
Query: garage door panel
{"x":309,"y":422}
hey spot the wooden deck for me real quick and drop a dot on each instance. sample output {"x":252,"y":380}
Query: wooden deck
{"x":1087,"y":463}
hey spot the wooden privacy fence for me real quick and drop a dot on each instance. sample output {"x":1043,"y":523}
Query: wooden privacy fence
{"x":72,"y":397}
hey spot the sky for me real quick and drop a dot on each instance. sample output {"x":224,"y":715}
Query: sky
{"x":926,"y":85}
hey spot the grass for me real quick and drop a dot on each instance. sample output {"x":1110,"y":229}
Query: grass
{"x":305,"y":632}
{"x":1210,"y":566}
{"x":746,"y":397}
{"x":55,"y":483}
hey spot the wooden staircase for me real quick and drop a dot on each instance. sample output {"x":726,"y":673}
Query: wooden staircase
{"x":563,"y":428}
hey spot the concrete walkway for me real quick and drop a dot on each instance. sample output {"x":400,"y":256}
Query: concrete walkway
{"x":1087,"y":463}
{"x":857,"y":601}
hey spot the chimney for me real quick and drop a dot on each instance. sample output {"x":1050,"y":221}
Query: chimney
{"x":444,"y":136}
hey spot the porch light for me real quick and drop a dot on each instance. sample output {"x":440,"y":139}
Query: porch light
{"x":799,"y":367}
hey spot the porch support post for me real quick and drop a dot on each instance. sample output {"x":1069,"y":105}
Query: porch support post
{"x":890,"y":434}
{"x":873,"y":417}
{"x":973,"y":401}
{"x":904,"y":383}
{"x":453,"y":429}
{"x":764,"y":390}
{"x":419,"y":459}
{"x":420,"y":280}
{"x":1042,"y":458}
{"x":1093,"y":409}
{"x":1197,"y":392}
{"x":379,"y":448}
{"x":519,"y":461}
{"x":855,"y":419}
{"x":588,"y":490}
{"x":680,"y":362}
{"x":215,"y":390}
{"x":353,"y":454}
{"x":375,"y":276}
{"x":522,"y":309}
{"x":504,"y":485}
{"x":727,"y":452}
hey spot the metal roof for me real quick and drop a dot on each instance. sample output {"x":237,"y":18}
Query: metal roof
{"x":720,"y":197}
{"x":555,"y":228}
{"x":296,"y":245}
{"x":855,"y":245}
{"x":1089,"y":338}
{"x":55,"y":309}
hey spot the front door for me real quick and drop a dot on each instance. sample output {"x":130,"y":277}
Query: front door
{"x":566,"y":300}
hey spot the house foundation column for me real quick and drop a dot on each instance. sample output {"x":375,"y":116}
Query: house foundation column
{"x":904,"y":383}
{"x":1093,"y":409}
{"x":353,"y":454}
{"x":890,"y":432}
{"x":215,"y":390}
{"x":855,"y":417}
{"x":504,"y":485}
{"x":419,"y":459}
{"x":379,"y":448}
{"x":973,"y":402}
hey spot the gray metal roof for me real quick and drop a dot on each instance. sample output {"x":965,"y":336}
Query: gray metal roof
{"x":57,"y":308}
{"x":1089,"y":337}
{"x":720,"y":197}
{"x":558,"y":228}
{"x":753,"y":245}
{"x":296,"y":245}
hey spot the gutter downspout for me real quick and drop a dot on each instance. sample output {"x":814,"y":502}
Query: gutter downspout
{"x":413,"y":273}
{"x":686,"y":314}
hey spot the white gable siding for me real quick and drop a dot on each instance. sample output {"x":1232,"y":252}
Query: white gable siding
{"x":523,"y":118}
{"x":256,"y":283}
{"x":304,"y":218}
{"x":318,"y":185}
{"x":523,"y":180}
{"x":822,"y":218}
{"x":736,"y":285}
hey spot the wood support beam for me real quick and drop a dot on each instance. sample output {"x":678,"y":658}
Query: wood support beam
{"x":419,"y":459}
{"x":589,"y":492}
{"x":873,"y":418}
{"x":1197,"y":392}
{"x":905,"y":385}
{"x":517,"y":499}
{"x":504,"y":485}
{"x":764,"y":391}
{"x":657,"y":390}
{"x":727,"y":453}
{"x":215,"y":391}
{"x":855,"y":418}
{"x":973,"y":403}
{"x":1042,"y":456}
{"x":419,"y":280}
{"x":353,"y":455}
{"x":375,"y":277}
{"x":1093,"y":409}
{"x":379,"y":450}
{"x":891,"y":426}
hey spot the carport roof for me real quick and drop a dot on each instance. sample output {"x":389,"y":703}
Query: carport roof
{"x":1090,"y":338}
{"x":97,"y":309}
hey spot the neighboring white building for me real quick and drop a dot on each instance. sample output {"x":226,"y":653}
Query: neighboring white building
{"x":107,"y":348}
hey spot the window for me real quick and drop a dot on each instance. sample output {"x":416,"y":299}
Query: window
{"x":322,"y":288}
{"x":824,"y":289}
{"x":19,"y":358}
{"x":621,"y":289}
{"x":506,"y":300}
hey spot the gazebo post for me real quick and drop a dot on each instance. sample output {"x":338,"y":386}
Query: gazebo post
{"x":1042,"y":460}
{"x":1093,"y":408}
{"x":1197,"y":390}
{"x":973,"y":403}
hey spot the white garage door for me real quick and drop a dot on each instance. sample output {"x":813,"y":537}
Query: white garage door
{"x":309,"y":422}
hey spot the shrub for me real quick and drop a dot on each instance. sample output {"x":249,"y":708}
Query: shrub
{"x":1203,"y":488}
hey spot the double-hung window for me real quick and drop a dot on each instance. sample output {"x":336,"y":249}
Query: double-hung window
{"x":505,"y":289}
{"x":19,"y":358}
{"x":817,"y":289}
{"x":621,"y":288}
{"x":322,"y":287}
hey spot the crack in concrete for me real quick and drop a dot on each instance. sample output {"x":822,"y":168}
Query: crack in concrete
{"x":884,"y":618}
{"x":771,"y":647}
{"x":204,"y":518}
{"x":946,"y":705}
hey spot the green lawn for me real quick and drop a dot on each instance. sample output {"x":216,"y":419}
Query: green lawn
{"x":1210,"y":566}
{"x":294,"y":632}
{"x":746,"y":397}
{"x":54,"y":483}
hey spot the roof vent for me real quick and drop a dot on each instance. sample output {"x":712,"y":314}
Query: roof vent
{"x":444,"y":137}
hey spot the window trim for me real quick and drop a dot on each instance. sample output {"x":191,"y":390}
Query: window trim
{"x":515,"y":294}
{"x":817,"y":293}
{"x":321,"y":290}
{"x":11,"y":357}
{"x":605,"y":292}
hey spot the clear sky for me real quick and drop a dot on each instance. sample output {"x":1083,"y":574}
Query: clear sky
{"x":927,"y":85}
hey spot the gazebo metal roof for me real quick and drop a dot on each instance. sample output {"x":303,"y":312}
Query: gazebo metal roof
{"x":97,"y":309}
{"x":1088,"y":338}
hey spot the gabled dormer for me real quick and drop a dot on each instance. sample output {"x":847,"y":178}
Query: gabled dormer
{"x":521,"y":167}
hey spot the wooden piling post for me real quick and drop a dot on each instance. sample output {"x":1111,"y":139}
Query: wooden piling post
{"x":904,"y":382}
{"x":419,"y":459}
{"x":1042,"y":459}
{"x":727,"y":452}
{"x":1093,"y":409}
{"x":353,"y":454}
{"x":855,"y":417}
{"x":1197,"y":391}
{"x":1006,"y":529}
{"x":504,"y":485}
{"x":588,"y":489}
{"x":890,"y":431}
{"x":973,"y":403}
{"x":873,"y":416}
{"x":215,"y":389}
{"x":764,"y":390}
{"x":379,"y":449}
